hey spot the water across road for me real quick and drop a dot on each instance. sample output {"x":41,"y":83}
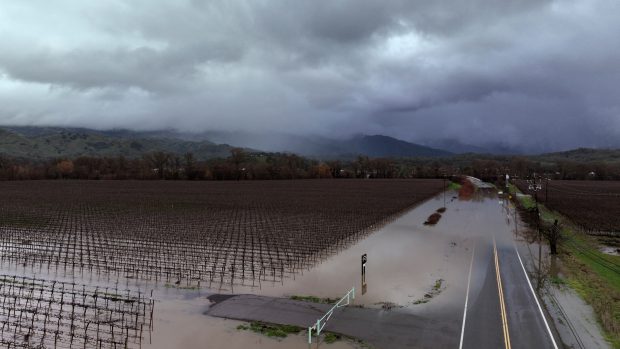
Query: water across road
{"x":460,"y":283}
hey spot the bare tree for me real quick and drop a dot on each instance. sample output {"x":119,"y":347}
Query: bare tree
{"x":237,"y":157}
{"x":189,"y":165}
{"x":159,"y":161}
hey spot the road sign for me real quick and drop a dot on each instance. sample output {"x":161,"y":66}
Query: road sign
{"x":364,"y":260}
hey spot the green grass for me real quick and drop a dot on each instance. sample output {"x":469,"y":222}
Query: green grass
{"x":270,"y":330}
{"x":437,"y":285}
{"x":512,"y":189}
{"x":589,"y":255}
{"x":331,"y":338}
{"x":598,"y":288}
{"x":454,"y":186}
{"x":558,"y":281}
{"x":314,"y":299}
{"x":282,"y":331}
{"x":527,"y":202}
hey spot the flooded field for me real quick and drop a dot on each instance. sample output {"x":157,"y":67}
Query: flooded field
{"x":411,"y":267}
{"x":92,"y":242}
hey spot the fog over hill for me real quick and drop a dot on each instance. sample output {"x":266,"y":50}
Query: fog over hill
{"x":519,"y":76}
{"x":49,"y":142}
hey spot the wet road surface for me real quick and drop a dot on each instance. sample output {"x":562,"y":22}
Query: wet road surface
{"x":510,"y":318}
{"x":471,"y":249}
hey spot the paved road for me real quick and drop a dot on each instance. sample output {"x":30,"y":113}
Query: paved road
{"x":484,"y":321}
{"x":498,"y":309}
{"x":381,"y":328}
{"x":507,"y":319}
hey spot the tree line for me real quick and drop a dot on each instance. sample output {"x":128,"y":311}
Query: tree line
{"x":242,"y":165}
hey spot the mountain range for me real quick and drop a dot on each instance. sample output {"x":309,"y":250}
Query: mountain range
{"x":46,"y":143}
{"x":53,"y":142}
{"x":42,"y":143}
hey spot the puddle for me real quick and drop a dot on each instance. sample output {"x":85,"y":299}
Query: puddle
{"x":610,"y":250}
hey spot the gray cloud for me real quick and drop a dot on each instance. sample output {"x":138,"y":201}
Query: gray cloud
{"x":536,"y":74}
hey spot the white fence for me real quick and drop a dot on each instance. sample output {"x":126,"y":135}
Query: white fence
{"x":320,"y":323}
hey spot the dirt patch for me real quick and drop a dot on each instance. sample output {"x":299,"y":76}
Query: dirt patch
{"x":467,"y":190}
{"x":433,"y":219}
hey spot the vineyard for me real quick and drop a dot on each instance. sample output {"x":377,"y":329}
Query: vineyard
{"x":37,"y":313}
{"x":203,"y":234}
{"x":588,"y":204}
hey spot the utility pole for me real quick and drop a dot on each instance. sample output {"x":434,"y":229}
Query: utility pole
{"x":535,"y":185}
{"x":444,"y":190}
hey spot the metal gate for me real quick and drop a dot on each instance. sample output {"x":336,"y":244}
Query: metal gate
{"x":320,"y":323}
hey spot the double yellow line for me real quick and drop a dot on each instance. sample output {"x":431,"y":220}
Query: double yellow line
{"x":501,"y":298}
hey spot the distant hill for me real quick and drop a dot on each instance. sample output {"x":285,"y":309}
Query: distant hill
{"x":456,"y":147}
{"x":382,"y":146}
{"x":328,"y":148}
{"x":53,"y":142}
{"x":583,"y":155}
{"x":45,"y":143}
{"x":49,"y":142}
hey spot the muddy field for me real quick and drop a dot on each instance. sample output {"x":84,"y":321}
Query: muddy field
{"x":173,"y":234}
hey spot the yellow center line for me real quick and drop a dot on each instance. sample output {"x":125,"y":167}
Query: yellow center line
{"x":502,"y":305}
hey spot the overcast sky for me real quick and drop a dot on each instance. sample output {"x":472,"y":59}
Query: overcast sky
{"x":542,"y":73}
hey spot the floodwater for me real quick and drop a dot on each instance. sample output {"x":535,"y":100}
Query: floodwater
{"x":419,"y":268}
{"x":181,"y":323}
{"x":409,"y":264}
{"x":405,"y":261}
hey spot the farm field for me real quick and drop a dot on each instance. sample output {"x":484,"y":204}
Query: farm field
{"x":587,"y":203}
{"x":190,"y":235}
{"x":182,"y":231}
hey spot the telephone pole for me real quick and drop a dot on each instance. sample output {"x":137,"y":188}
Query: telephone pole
{"x":535,"y":185}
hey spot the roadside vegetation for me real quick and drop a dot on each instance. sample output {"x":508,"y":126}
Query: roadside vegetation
{"x":435,"y":291}
{"x":314,"y":299}
{"x":454,"y":186}
{"x":277,"y":331}
{"x":594,"y":275}
{"x":270,"y":330}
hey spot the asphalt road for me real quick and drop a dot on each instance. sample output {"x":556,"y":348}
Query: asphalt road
{"x":511,"y":318}
{"x":381,"y":328}
{"x":497,"y":309}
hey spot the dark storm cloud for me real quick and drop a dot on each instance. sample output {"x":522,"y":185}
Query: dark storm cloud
{"x":541,"y":74}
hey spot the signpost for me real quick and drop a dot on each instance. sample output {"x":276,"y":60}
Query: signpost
{"x":364,"y":260}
